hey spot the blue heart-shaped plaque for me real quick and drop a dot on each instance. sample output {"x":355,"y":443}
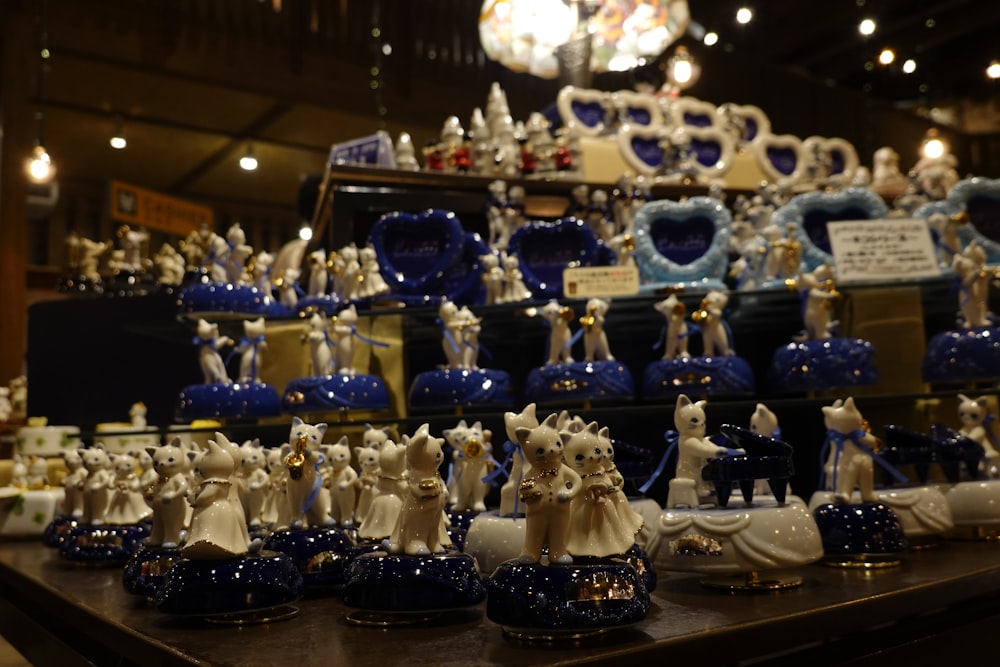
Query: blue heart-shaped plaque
{"x":590,"y":114}
{"x":699,"y":119}
{"x":707,"y":152}
{"x":980,"y":198}
{"x":783,"y":158}
{"x":463,"y":281}
{"x":544,"y":250}
{"x":648,"y":150}
{"x":415,"y":251}
{"x":683,"y":243}
{"x":810,"y":211}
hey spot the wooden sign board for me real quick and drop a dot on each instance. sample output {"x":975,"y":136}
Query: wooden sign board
{"x":137,"y":206}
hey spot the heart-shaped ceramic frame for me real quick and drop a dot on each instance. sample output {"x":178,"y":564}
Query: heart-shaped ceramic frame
{"x":639,"y":146}
{"x":544,"y":249}
{"x":637,"y":109}
{"x":583,"y":109}
{"x":809,"y":212}
{"x":843,"y":156}
{"x":704,"y":271}
{"x":980,"y":198}
{"x":462,"y":282}
{"x":415,"y":250}
{"x":690,"y":111}
{"x":780,"y":157}
{"x":755,"y":123}
{"x":714,"y":150}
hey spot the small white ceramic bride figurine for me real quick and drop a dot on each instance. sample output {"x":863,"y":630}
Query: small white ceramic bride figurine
{"x":218,"y":525}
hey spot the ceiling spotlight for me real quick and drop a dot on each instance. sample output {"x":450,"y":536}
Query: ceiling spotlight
{"x":248,"y":162}
{"x":993,"y":71}
{"x":305,"y":232}
{"x":886,"y":57}
{"x":682,"y":69}
{"x":118,"y":141}
{"x":711,"y":38}
{"x":866,"y":27}
{"x":39,"y":165}
{"x":909,"y":66}
{"x":744,"y":15}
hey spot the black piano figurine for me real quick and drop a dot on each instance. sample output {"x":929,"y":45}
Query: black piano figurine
{"x":765,"y":458}
{"x":951,"y":449}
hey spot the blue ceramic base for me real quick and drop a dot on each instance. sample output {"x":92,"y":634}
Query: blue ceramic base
{"x":451,"y":387}
{"x":225,"y":587}
{"x":147,"y":568}
{"x":542,"y":600}
{"x":823,"y":364}
{"x":102,"y":545}
{"x":963,"y":355}
{"x":860,"y":533}
{"x":321,"y":393}
{"x":320,"y":554}
{"x":578,"y":381}
{"x":399,"y":583}
{"x":57,"y":530}
{"x":206,"y":297}
{"x":668,"y":378}
{"x":233,"y":400}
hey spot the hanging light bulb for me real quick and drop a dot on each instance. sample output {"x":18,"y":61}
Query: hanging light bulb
{"x":248,"y":162}
{"x":933,"y":146}
{"x":305,"y":232}
{"x":993,"y":71}
{"x":682,"y":69}
{"x":39,"y":166}
{"x":118,"y":141}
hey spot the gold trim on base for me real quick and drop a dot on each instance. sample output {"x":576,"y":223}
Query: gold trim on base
{"x":864,"y":561}
{"x":255,"y":616}
{"x":388,"y":619}
{"x":989,"y":532}
{"x":550,"y":634}
{"x":752,"y":581}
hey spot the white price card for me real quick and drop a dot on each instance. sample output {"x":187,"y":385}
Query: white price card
{"x":584,"y":282}
{"x":882,"y":250}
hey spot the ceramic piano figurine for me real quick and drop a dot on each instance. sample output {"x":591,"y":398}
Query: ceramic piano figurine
{"x":702,"y":532}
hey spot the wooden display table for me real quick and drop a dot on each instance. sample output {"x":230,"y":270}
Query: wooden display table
{"x":940,"y":602}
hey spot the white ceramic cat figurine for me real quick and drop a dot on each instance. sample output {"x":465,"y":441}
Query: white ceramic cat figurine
{"x":973,"y":414}
{"x":97,"y":487}
{"x":73,"y":483}
{"x":218,"y":525}
{"x":493,"y":277}
{"x":302,"y":457}
{"x":342,"y":331}
{"x":974,"y":280}
{"x":849,"y":466}
{"x":519,"y":468}
{"x":546,"y":493}
{"x":210,"y":342}
{"x":560,"y":336}
{"x":675,"y":342}
{"x":318,"y":337}
{"x":595,"y":340}
{"x":420,"y":530}
{"x":126,"y":505}
{"x":319,"y":279}
{"x":819,"y":294}
{"x":470,"y":329}
{"x":372,"y":282}
{"x":167,"y":496}
{"x":594,"y":527}
{"x":714,"y":336}
{"x":687,"y":489}
{"x":387,"y":503}
{"x":471,"y":450}
{"x":253,"y":481}
{"x":250,"y":348}
{"x":366,"y":483}
{"x":343,"y":491}
{"x":451,"y":329}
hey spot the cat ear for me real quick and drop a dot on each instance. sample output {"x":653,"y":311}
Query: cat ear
{"x":683,"y":401}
